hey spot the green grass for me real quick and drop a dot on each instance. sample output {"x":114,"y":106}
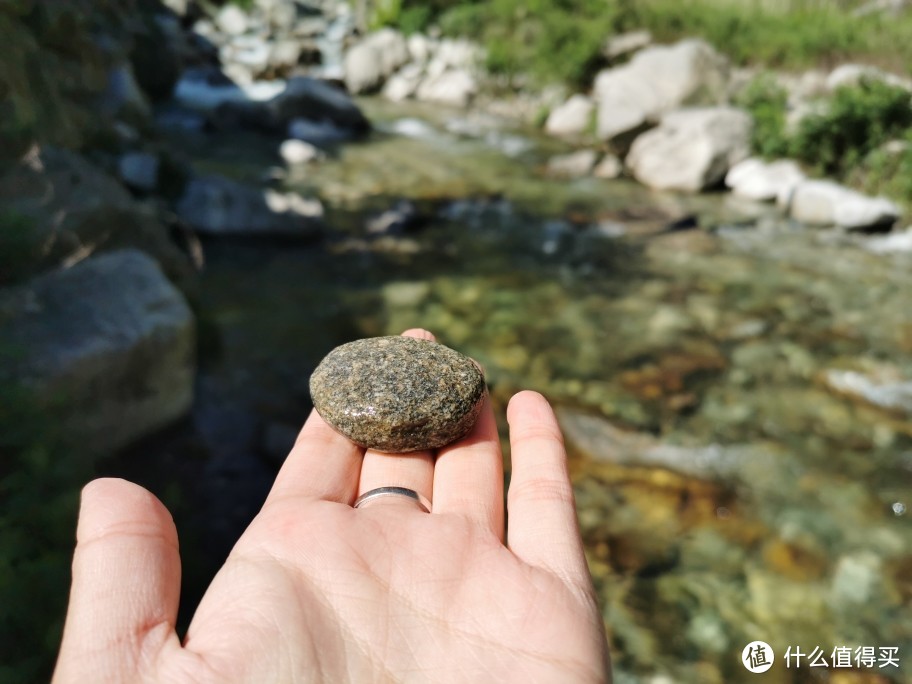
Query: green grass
{"x":559,"y":40}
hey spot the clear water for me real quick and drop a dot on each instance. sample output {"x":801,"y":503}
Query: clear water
{"x":726,"y":491}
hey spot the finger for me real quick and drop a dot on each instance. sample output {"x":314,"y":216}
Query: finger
{"x":543,"y":529}
{"x":126,"y":584}
{"x":468,"y":476}
{"x":322,"y":465}
{"x":413,"y":471}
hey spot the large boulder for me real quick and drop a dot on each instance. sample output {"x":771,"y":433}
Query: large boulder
{"x":572,"y":118}
{"x":825,"y":203}
{"x":691,"y":149}
{"x":764,"y":181}
{"x":106,"y":348}
{"x":303,"y":98}
{"x":657,"y":80}
{"x":215,"y":205}
{"x":58,"y":207}
{"x":369,"y":63}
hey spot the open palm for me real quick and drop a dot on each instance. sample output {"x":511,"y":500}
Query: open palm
{"x":316,"y":590}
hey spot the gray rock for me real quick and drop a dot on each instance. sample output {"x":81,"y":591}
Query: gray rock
{"x":139,"y":170}
{"x":571,"y":118}
{"x":758,"y":180}
{"x":106,"y":348}
{"x":220,"y":206}
{"x":825,"y":203}
{"x":692,"y":149}
{"x":369,"y":63}
{"x":655,"y":81}
{"x":398,"y":394}
{"x":302,"y":98}
{"x":573,"y":165}
{"x":123,"y":96}
{"x":69,"y":207}
{"x":454,"y":87}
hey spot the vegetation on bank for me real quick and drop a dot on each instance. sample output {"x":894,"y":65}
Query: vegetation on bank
{"x":861,"y":135}
{"x":561,"y":40}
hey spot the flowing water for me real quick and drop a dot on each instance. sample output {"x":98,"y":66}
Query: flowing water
{"x":733,"y":482}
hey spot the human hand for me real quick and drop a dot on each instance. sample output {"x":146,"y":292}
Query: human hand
{"x":315,"y":590}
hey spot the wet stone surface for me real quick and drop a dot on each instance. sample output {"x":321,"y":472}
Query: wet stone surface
{"x":398,"y":394}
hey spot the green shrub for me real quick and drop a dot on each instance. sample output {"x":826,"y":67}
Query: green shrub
{"x":857,"y":120}
{"x":766,"y":101}
{"x":887,"y":171}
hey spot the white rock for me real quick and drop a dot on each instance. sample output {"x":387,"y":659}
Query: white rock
{"x":369,"y":63}
{"x":657,"y":80}
{"x":139,"y":170}
{"x":573,"y":165}
{"x":251,"y":52}
{"x":403,"y":84}
{"x":881,"y":385}
{"x":299,"y":152}
{"x":625,"y":43}
{"x":284,"y":56}
{"x":458,"y":54}
{"x":455,"y":87}
{"x":692,"y":149}
{"x":231,"y":20}
{"x":420,"y":47}
{"x":853,"y":74}
{"x":825,"y":203}
{"x":893,"y":243}
{"x":571,"y":118}
{"x":758,"y":180}
{"x":610,"y":167}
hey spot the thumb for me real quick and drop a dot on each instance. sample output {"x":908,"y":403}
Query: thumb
{"x":126,"y":585}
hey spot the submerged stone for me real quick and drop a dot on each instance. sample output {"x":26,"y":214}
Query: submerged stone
{"x":398,"y":394}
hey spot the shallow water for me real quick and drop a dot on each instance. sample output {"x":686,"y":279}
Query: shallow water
{"x":726,"y":490}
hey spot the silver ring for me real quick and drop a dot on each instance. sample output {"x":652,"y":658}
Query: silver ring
{"x":379,"y":492}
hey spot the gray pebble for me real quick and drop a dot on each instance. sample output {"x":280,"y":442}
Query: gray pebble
{"x":398,"y":394}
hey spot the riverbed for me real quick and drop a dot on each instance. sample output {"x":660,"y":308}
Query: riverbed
{"x":735,"y":389}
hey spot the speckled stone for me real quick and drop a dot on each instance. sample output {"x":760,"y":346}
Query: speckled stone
{"x":398,"y":394}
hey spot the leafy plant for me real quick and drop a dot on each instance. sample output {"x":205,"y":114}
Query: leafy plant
{"x":857,"y":120}
{"x":766,"y":101}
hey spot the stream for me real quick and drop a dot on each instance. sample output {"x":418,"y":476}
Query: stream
{"x":736,"y":478}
